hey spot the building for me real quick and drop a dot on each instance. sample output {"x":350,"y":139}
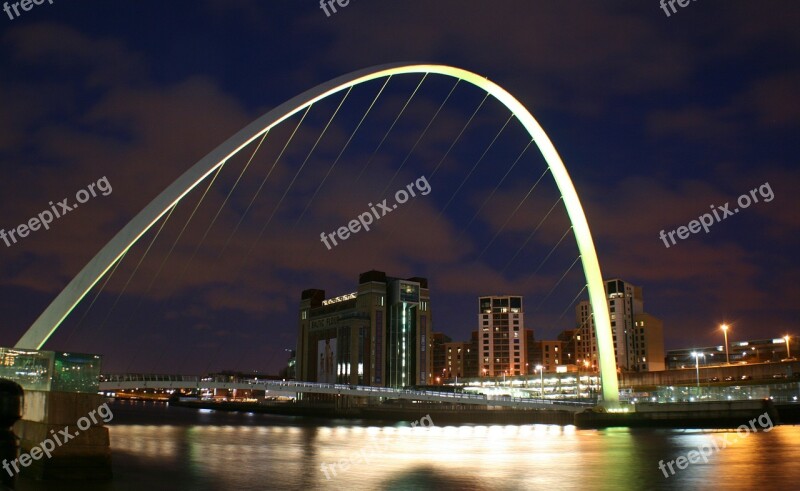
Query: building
{"x":438,"y":340}
{"x":548,"y":354}
{"x":378,"y":335}
{"x":456,"y":360}
{"x":648,"y":343}
{"x":471,"y":360}
{"x":502,"y":349}
{"x":569,"y":342}
{"x":635,"y":347}
{"x":530,"y":351}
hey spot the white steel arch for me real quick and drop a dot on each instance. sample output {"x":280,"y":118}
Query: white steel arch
{"x":46,"y":324}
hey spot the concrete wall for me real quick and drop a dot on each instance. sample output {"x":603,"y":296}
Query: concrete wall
{"x":86,"y":455}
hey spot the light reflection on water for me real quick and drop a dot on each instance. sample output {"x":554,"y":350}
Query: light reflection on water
{"x":255,"y":452}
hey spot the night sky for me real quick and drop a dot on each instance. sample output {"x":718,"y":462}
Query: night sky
{"x":657,"y":119}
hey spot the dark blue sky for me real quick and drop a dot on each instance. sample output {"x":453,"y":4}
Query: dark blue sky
{"x":656,"y":119}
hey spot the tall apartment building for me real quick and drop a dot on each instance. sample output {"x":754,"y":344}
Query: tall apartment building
{"x":634,"y":349}
{"x":378,"y":335}
{"x":502,"y":349}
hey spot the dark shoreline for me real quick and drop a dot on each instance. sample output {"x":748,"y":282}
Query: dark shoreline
{"x":447,"y":415}
{"x":780,"y":414}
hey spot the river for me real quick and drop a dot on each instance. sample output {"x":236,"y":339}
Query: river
{"x":158,"y":447}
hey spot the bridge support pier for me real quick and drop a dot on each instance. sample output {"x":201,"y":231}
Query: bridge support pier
{"x":46,"y":417}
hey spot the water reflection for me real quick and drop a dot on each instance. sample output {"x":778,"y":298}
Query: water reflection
{"x":449,"y":457}
{"x":254,"y":452}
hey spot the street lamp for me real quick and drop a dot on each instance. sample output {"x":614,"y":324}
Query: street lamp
{"x":541,"y":374}
{"x":588,"y":377}
{"x":528,"y":375}
{"x":788,"y":352}
{"x":697,"y":364}
{"x":725,"y":332}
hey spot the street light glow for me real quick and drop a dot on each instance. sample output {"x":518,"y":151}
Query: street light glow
{"x":725,"y":333}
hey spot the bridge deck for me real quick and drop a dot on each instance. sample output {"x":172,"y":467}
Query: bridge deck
{"x":291,"y":388}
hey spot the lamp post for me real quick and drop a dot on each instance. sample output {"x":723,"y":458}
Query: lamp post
{"x":541,"y":374}
{"x":788,"y":352}
{"x":725,"y":332}
{"x":527,"y":375}
{"x":697,"y":365}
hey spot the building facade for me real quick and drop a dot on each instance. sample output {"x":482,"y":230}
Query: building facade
{"x":637,"y":348}
{"x":378,"y":335}
{"x":502,"y":349}
{"x":438,"y":340}
{"x":570,"y":346}
{"x":548,"y":355}
{"x":472,"y":359}
{"x":456,"y":354}
{"x":648,"y":343}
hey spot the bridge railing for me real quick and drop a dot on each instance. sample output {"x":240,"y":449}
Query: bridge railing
{"x":288,"y":384}
{"x":136,"y":377}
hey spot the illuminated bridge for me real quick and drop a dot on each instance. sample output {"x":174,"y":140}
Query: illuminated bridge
{"x":156,"y":214}
{"x":113,"y":383}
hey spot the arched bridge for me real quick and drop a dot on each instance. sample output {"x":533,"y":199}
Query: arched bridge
{"x":74,"y":292}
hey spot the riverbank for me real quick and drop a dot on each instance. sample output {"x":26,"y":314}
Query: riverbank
{"x":442,"y":414}
{"x":706,"y":415}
